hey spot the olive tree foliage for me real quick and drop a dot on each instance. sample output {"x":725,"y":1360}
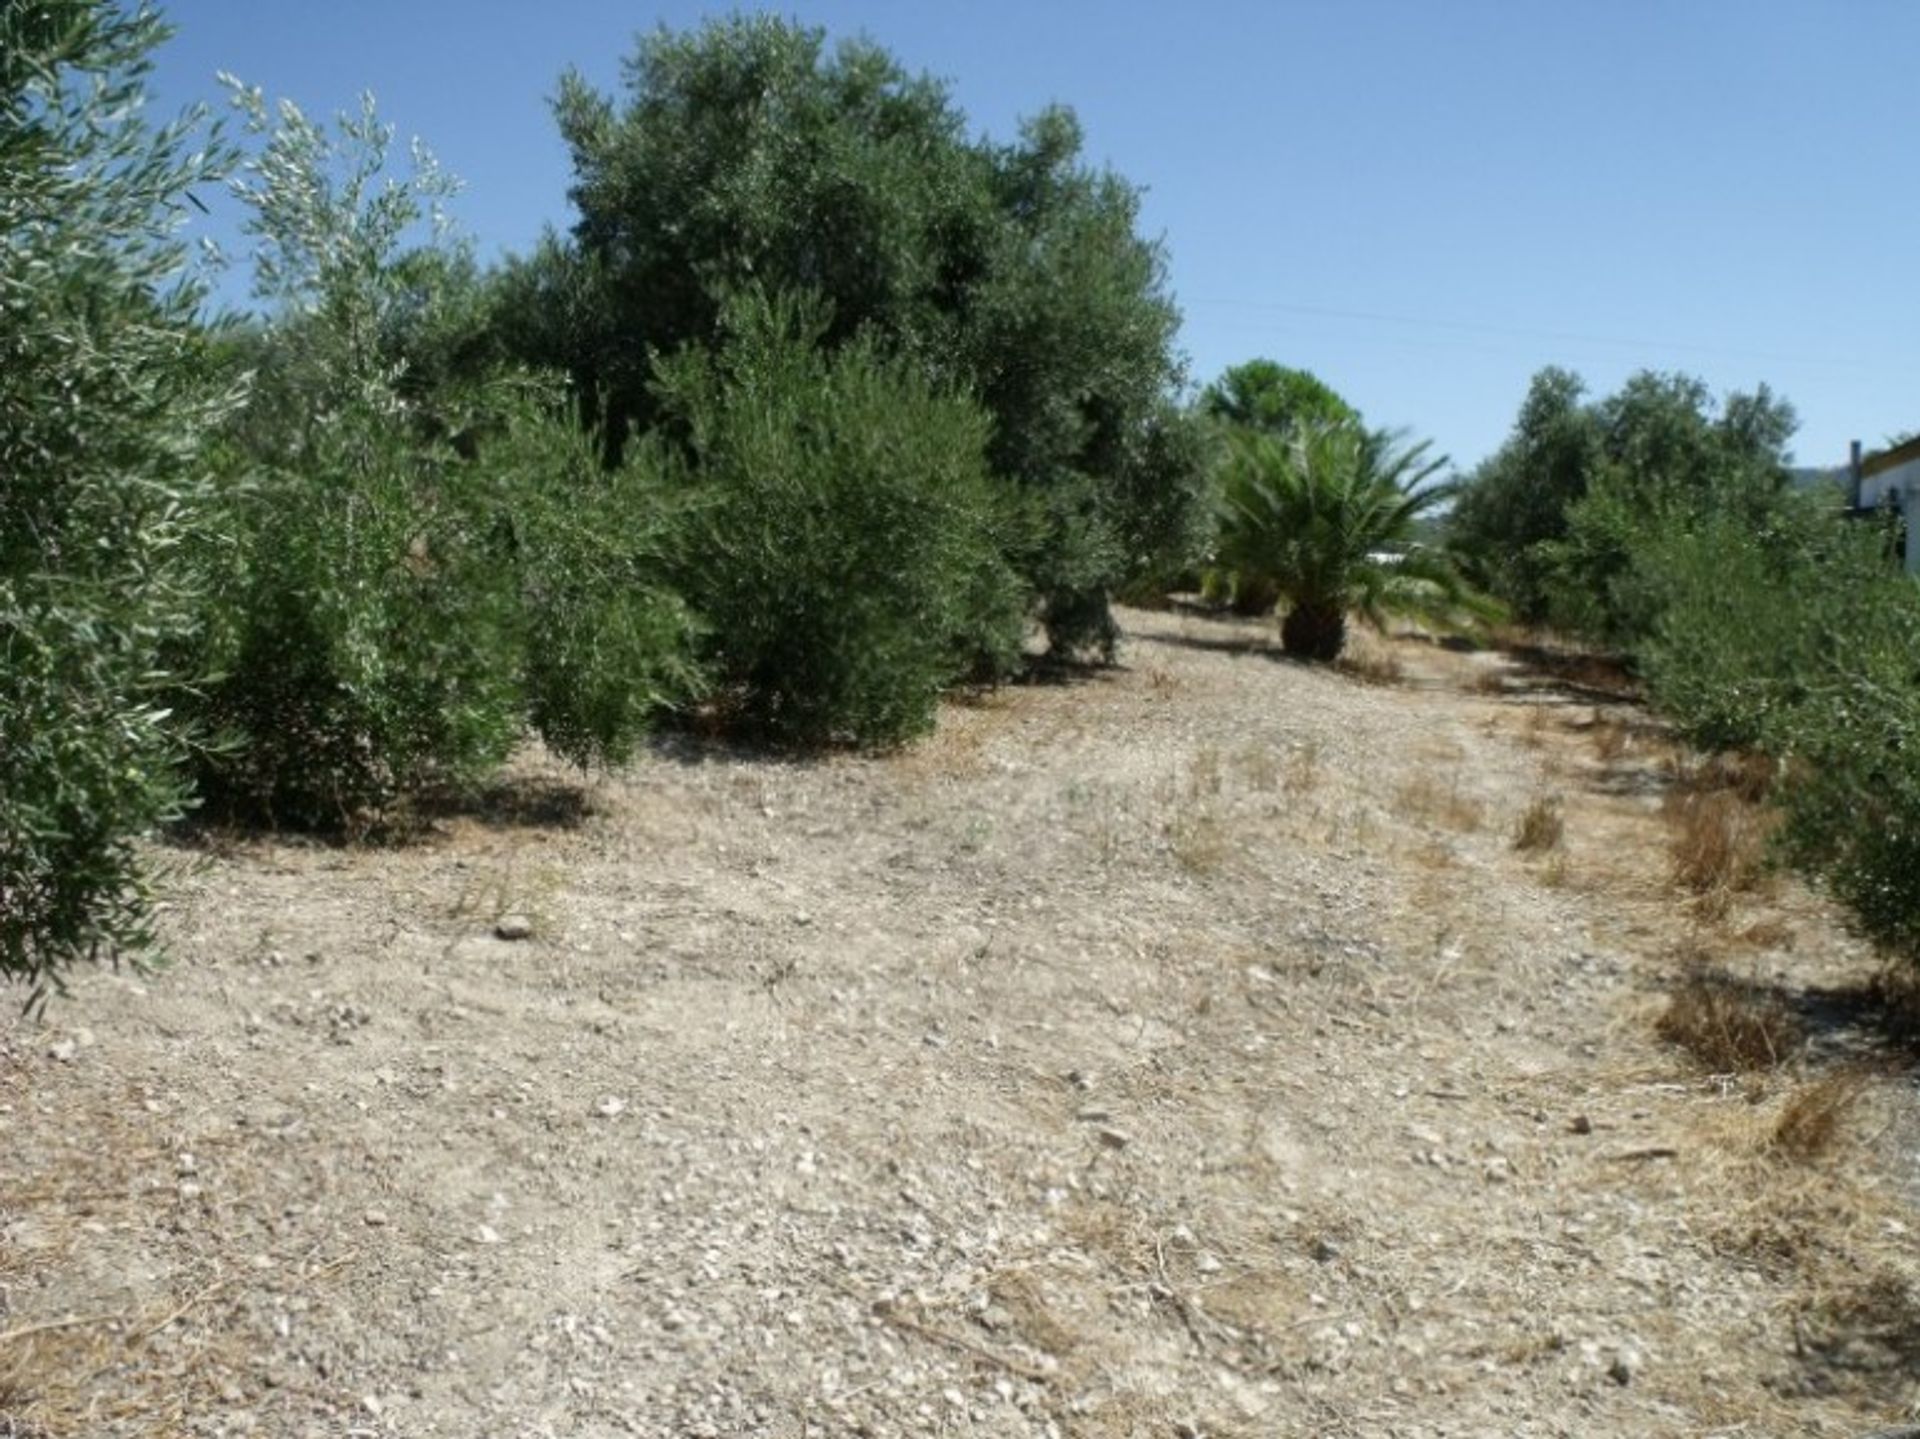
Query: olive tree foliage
{"x":422,"y":563}
{"x":1670,"y":461}
{"x":101,"y":477}
{"x":748,"y":153}
{"x":847,"y":541}
{"x":1553,"y":521}
{"x":1795,"y":635}
{"x":371,"y":290}
{"x":1517,"y":501}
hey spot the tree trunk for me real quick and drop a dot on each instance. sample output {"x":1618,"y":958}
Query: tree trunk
{"x":1314,"y":632}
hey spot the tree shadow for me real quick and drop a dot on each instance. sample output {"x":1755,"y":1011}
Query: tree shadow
{"x":1578,"y":674}
{"x":1873,"y":1021}
{"x":1053,"y":672}
{"x":697,"y":743}
{"x":512,"y":802}
{"x":1862,"y":1341}
{"x":515,"y":802}
{"x":1211,"y":644}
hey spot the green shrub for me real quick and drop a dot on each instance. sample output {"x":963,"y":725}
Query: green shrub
{"x":430,"y":555}
{"x":848,"y":543}
{"x":749,"y":151}
{"x":605,"y":644}
{"x":1853,"y":745}
{"x":101,"y":483}
{"x":1800,"y":637}
{"x":366,"y":637}
{"x":1553,"y":521}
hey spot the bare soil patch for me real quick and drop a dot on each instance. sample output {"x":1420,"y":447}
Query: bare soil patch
{"x":1188,"y":1050}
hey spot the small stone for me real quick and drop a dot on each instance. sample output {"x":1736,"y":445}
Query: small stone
{"x":1115,"y":1138}
{"x":63,"y":1050}
{"x":487,"y":1234}
{"x":1582,"y":1124}
{"x":376,"y":1218}
{"x":1094,"y":1114}
{"x":611,"y":1107}
{"x":1324,"y":1250}
{"x":1626,"y":1364}
{"x":514,"y":927}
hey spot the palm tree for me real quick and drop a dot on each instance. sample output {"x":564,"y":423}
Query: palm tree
{"x":1328,"y":518}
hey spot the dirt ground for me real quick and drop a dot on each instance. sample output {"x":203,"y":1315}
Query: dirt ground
{"x":1185,"y":1050}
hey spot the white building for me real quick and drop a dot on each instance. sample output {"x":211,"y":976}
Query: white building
{"x":1891,"y":480}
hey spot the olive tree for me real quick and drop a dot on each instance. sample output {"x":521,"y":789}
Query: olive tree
{"x":748,"y":153}
{"x":101,"y":477}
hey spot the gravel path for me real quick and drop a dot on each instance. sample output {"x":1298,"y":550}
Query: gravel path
{"x":1182,"y":1051}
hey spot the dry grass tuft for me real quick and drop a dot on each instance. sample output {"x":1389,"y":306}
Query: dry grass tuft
{"x":1719,"y":844}
{"x":1771,"y":933}
{"x":1730,"y":1029}
{"x":1815,"y":1116}
{"x":1370,"y":666}
{"x":1200,"y":840}
{"x":1748,"y":774}
{"x":1533,"y":734}
{"x":1541,"y":826}
{"x":1160,"y":683}
{"x":1611,"y":737}
{"x":1490,"y":681}
{"x":1425,"y":798}
{"x":1259,"y":767}
{"x":1303,"y":769}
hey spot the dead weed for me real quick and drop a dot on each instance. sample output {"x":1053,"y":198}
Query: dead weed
{"x":1815,"y":1116}
{"x":1718,"y":845}
{"x":1542,"y":825}
{"x":1445,"y":805}
{"x":1729,"y":1028}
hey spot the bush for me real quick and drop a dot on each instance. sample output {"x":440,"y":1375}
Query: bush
{"x":848,"y":543}
{"x":605,"y":644}
{"x":366,"y":637}
{"x":1798,"y":638}
{"x":1746,"y":613}
{"x":430,"y":554}
{"x":750,"y":152}
{"x":1852,"y":795}
{"x":100,"y":479}
{"x":1554,"y":520}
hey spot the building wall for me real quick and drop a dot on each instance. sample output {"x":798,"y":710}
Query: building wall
{"x":1900,"y":485}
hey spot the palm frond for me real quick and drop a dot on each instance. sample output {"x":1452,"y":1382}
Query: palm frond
{"x":1328,"y":517}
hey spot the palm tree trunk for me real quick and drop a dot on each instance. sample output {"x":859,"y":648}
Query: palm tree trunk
{"x":1314,"y":631}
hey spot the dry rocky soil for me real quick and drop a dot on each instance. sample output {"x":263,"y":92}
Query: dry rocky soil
{"x":1186,"y":1049}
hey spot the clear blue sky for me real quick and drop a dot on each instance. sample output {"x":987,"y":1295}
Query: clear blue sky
{"x":1421,"y":202}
